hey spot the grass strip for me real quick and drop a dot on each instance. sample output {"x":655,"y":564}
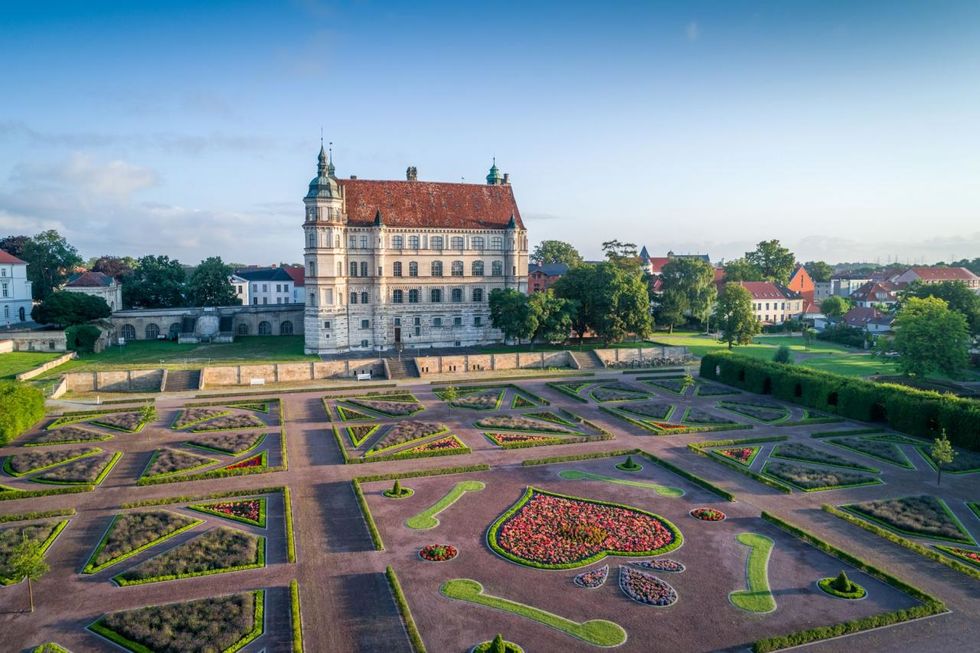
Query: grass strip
{"x":579,"y":475}
{"x":427,"y":518}
{"x":379,"y":544}
{"x":693,"y":478}
{"x":296,"y":616}
{"x":597,"y":632}
{"x":930,"y":605}
{"x":418,"y":646}
{"x":758,"y":597}
{"x":290,"y":536}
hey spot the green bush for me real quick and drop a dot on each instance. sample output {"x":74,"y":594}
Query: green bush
{"x":782,"y":355}
{"x":21,"y":407}
{"x":912,"y":411}
{"x":418,"y":646}
{"x":297,"y":617}
{"x":82,"y":337}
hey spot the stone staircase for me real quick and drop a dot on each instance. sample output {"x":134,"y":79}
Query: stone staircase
{"x":404,"y":368}
{"x":182,"y":380}
{"x":588,"y":360}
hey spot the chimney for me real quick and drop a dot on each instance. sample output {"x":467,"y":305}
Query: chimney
{"x":506,"y":178}
{"x":412,"y":174}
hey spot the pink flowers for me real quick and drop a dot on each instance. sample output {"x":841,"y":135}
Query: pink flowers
{"x":593,"y":578}
{"x":707,"y":514}
{"x":438,"y":552}
{"x":247,"y":509}
{"x":741,"y":454}
{"x":550,"y":530}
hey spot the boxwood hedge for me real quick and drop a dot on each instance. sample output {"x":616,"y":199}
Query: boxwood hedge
{"x":905,"y":409}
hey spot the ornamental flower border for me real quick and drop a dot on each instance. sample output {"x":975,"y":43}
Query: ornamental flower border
{"x":703,"y":509}
{"x":448,"y":547}
{"x":493,"y":530}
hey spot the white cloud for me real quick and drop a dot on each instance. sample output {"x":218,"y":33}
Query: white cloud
{"x":692,"y":31}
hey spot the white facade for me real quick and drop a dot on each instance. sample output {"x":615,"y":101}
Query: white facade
{"x":98,"y":285}
{"x":16,"y":300}
{"x":376,"y":286}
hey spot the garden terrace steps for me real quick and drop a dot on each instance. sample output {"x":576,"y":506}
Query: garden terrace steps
{"x":403,"y":368}
{"x":588,"y":360}
{"x":182,"y":380}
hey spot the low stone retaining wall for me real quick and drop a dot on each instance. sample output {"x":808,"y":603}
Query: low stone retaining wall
{"x":6,"y":346}
{"x":290,"y":372}
{"x":38,"y":371}
{"x":119,"y":381}
{"x":643,"y":356}
{"x":467,"y":363}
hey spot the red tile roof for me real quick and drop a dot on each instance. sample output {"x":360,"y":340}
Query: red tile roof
{"x":860,"y":317}
{"x":943,"y":274}
{"x":427,"y":204}
{"x":297,"y":273}
{"x":90,"y":279}
{"x":8,"y":259}
{"x":657,"y":263}
{"x":766,"y":290}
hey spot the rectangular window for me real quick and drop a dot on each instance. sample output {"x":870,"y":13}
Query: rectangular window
{"x":437,"y":321}
{"x":364,"y":242}
{"x":477,"y":321}
{"x":418,"y":321}
{"x":418,"y":331}
{"x":457,"y":242}
{"x":352,"y":241}
{"x":397,"y":242}
{"x":457,"y":295}
{"x":496,"y":242}
{"x":5,"y":291}
{"x":278,"y":300}
{"x":396,"y":268}
{"x":265,"y":287}
{"x":478,"y":242}
{"x":398,"y":321}
{"x":353,"y":268}
{"x":435,"y":296}
{"x":365,"y":324}
{"x":457,"y":321}
{"x":364,"y":343}
{"x":435,"y":242}
{"x":413,"y":242}
{"x":265,"y":300}
{"x":326,"y":325}
{"x":364,"y":269}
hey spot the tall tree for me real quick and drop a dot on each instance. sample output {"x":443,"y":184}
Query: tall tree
{"x":942,"y":453}
{"x":65,"y":309}
{"x":957,"y":295}
{"x":117,"y":267}
{"x":689,"y":286}
{"x":623,"y":305}
{"x":835,"y":306}
{"x":157,"y":282}
{"x":617,"y":252}
{"x":579,"y":285}
{"x":740,"y":269}
{"x":50,"y":259}
{"x":27,"y":561}
{"x":554,"y":316}
{"x":775,"y":262}
{"x":556,"y":251}
{"x":210,"y":285}
{"x":512,"y":313}
{"x":672,"y":308}
{"x":14,"y":245}
{"x":819,"y":271}
{"x":734,"y":315}
{"x":929,"y":337}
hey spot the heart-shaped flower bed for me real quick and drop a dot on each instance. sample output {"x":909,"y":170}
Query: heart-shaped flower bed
{"x":555,"y":531}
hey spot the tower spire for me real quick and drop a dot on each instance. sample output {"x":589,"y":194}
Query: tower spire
{"x":330,"y":169}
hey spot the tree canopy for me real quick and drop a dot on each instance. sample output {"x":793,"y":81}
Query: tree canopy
{"x":609,"y":299}
{"x":957,"y":295}
{"x":50,"y":259}
{"x":835,"y":306}
{"x":65,"y":309}
{"x":554,"y":315}
{"x":688,"y":287}
{"x":14,"y":245}
{"x":929,"y":337}
{"x":740,"y":269}
{"x":117,"y":267}
{"x":819,"y":271}
{"x":774,"y":262}
{"x":734,"y":315}
{"x":157,"y":282}
{"x":555,"y":251}
{"x":209,"y":285}
{"x":512,"y":313}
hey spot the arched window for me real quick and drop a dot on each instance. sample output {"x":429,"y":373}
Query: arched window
{"x":286,"y":328}
{"x":413,"y":296}
{"x":243,"y":328}
{"x":265,"y":329}
{"x":497,"y":269}
{"x":457,"y":242}
{"x":152,"y":331}
{"x":128,"y":331}
{"x":397,"y":296}
{"x":457,"y":295}
{"x":477,"y":268}
{"x":435,"y":242}
{"x":413,"y":269}
{"x":457,"y":269}
{"x":353,"y":298}
{"x":174,"y":330}
{"x":435,"y":296}
{"x":478,"y":294}
{"x":437,"y":268}
{"x":396,"y":268}
{"x":477,"y":242}
{"x":364,"y":298}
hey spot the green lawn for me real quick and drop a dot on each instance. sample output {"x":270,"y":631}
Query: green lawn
{"x":16,"y":362}
{"x":156,"y":353}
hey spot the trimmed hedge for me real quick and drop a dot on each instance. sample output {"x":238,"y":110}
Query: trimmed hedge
{"x":688,"y":476}
{"x":379,"y":544}
{"x":297,"y":616}
{"x":30,"y":494}
{"x":290,"y":536}
{"x":25,"y":516}
{"x":21,"y":407}
{"x":892,"y":536}
{"x":201,"y":497}
{"x":916,"y":412}
{"x":438,"y":471}
{"x":930,"y":605}
{"x":741,"y":469}
{"x":573,"y":457}
{"x":418,"y":646}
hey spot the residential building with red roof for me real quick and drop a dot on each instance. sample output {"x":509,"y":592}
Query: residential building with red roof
{"x":96,"y":284}
{"x":938,"y":274}
{"x":773,"y":303}
{"x":868,"y":319}
{"x":542,"y":277}
{"x":407,"y":263}
{"x":875,"y":293}
{"x":16,"y":300}
{"x":802,"y":283}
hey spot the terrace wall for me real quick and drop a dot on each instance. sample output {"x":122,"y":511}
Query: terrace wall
{"x":467,"y":363}
{"x":290,"y":372}
{"x":118,"y":381}
{"x":627,"y":357}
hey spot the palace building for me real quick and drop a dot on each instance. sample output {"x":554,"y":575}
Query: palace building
{"x":410,"y":263}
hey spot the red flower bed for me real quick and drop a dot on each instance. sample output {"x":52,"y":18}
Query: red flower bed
{"x":593,"y":578}
{"x":442,"y":444}
{"x":438,"y":552}
{"x":247,"y":509}
{"x":707,"y":514}
{"x":254,"y":461}
{"x":549,"y":530}
{"x":742,"y":454}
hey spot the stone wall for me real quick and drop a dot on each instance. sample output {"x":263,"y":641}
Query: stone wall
{"x":6,"y":346}
{"x":273,"y":320}
{"x":290,"y":372}
{"x":38,"y":371}
{"x":52,"y":340}
{"x":642,"y":356}
{"x":118,"y":381}
{"x":464,"y":363}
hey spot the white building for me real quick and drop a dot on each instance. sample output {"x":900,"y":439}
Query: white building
{"x":772,"y":303}
{"x":97,"y":284}
{"x":16,"y":300}
{"x":263,"y":286}
{"x":407,"y":263}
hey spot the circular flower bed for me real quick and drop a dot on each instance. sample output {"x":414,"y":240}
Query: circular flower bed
{"x":646,"y":589}
{"x":707,"y":514}
{"x":438,"y":552}
{"x":663,"y":564}
{"x":554,"y":531}
{"x":593,"y":578}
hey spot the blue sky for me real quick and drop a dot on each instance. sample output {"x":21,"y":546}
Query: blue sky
{"x":847,"y":130}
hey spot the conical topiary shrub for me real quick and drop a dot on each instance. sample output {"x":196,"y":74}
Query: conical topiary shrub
{"x":842,"y":583}
{"x":498,"y":645}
